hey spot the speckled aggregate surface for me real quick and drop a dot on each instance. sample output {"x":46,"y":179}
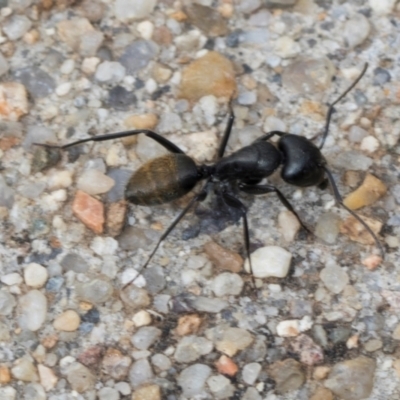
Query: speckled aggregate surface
{"x":70,"y":328}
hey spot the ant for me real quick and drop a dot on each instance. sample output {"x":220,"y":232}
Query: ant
{"x":172,"y":176}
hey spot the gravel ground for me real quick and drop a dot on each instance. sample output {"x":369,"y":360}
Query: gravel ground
{"x":77,"y":320}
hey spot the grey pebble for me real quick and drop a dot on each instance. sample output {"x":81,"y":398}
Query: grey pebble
{"x":145,"y":337}
{"x":38,"y":82}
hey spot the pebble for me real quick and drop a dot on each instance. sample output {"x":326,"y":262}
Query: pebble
{"x":382,"y":7}
{"x":206,"y":19}
{"x":140,"y":121}
{"x":145,"y":337}
{"x":138,"y":55}
{"x":287,"y":374}
{"x":24,"y":370}
{"x":372,"y":262}
{"x":89,"y":211}
{"x":229,"y":340}
{"x":108,"y":393}
{"x":286,"y":47}
{"x":370,"y":144}
{"x":289,"y":225}
{"x":288,"y":328}
{"x":220,"y":387}
{"x":148,"y":149}
{"x":6,"y":194}
{"x":373,"y":345}
{"x":188,"y":324}
{"x":74,"y":262}
{"x":110,"y":72}
{"x":223,"y":258}
{"x":161,"y":361}
{"x":95,"y":291}
{"x":356,"y":30}
{"x":381,"y":76}
{"x":116,"y":217}
{"x":327,"y":227}
{"x":115,"y":364}
{"x":13,"y":101}
{"x":251,"y":372}
{"x":192,"y":379}
{"x":63,"y":89}
{"x":371,"y":190}
{"x":80,"y":377}
{"x":149,"y":392}
{"x":134,"y":238}
{"x":335,"y":278}
{"x":269,"y":261}
{"x":145,"y":29}
{"x":208,"y":305}
{"x":135,"y":297}
{"x":48,"y":378}
{"x":353,"y":160}
{"x":226,"y":366}
{"x":396,"y":332}
{"x":251,"y":394}
{"x":212,"y":74}
{"x":93,"y":181}
{"x":59,"y":179}
{"x":321,"y":372}
{"x":140,"y":373}
{"x":322,"y":394}
{"x":4,"y":66}
{"x":309,"y":352}
{"x":352,"y":379}
{"x":72,"y":31}
{"x":127,"y":11}
{"x":356,"y":231}
{"x":11,"y":279}
{"x":89,"y":65}
{"x":90,"y":43}
{"x":8,"y":393}
{"x":38,"y":82}
{"x":33,"y":306}
{"x":16,"y":26}
{"x":308,"y":76}
{"x":227,"y":284}
{"x":141,"y":318}
{"x":7,"y":303}
{"x":68,"y":321}
{"x":35,"y":275}
{"x":190,"y":348}
{"x":155,"y":279}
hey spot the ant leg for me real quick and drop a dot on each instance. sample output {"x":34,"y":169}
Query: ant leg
{"x":339,"y":199}
{"x":227,"y":132}
{"x":263,"y":189}
{"x":199,"y":197}
{"x":236,"y":203}
{"x":153,"y":135}
{"x":331,"y":106}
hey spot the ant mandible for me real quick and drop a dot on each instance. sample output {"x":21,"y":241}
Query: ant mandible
{"x":173,"y":175}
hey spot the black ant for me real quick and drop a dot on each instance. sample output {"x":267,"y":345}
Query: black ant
{"x":172,"y":176}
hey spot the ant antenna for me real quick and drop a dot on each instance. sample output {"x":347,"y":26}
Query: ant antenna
{"x":331,"y":106}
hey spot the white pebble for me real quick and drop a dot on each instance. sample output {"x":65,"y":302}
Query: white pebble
{"x":11,"y":279}
{"x":370,"y":144}
{"x":60,"y":179}
{"x":93,"y":181}
{"x":128,"y":10}
{"x":289,"y":328}
{"x":289,"y":225}
{"x":286,"y":47}
{"x":334,"y":278}
{"x":247,"y":98}
{"x":269,"y":261}
{"x":250,"y":372}
{"x":63,"y":89}
{"x":35,"y":275}
{"x":33,"y":306}
{"x":145,"y":29}
{"x":110,"y":72}
{"x":227,"y":284}
{"x":141,"y":318}
{"x":356,"y":30}
{"x":67,"y":66}
{"x":382,"y":6}
{"x":104,"y":246}
{"x":90,"y":64}
{"x":151,"y":85}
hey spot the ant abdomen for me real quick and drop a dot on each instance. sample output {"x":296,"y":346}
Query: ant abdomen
{"x":162,"y":180}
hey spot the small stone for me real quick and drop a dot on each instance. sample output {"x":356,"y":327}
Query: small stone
{"x":89,"y":65}
{"x":396,"y":366}
{"x":110,"y":72}
{"x":289,"y":225}
{"x":80,"y":378}
{"x":127,"y":11}
{"x":24,"y":370}
{"x":327,"y":227}
{"x":115,"y":364}
{"x":74,"y":262}
{"x":141,"y":318}
{"x":145,"y":337}
{"x":148,"y":392}
{"x":90,"y":43}
{"x":145,"y":29}
{"x":141,"y":121}
{"x":227,"y":284}
{"x":368,"y":193}
{"x":334,"y":278}
{"x":353,"y":160}
{"x":68,"y":321}
{"x":108,"y":393}
{"x":205,"y":304}
{"x":321,"y":372}
{"x":382,"y":7}
{"x":188,"y":324}
{"x":7,"y":303}
{"x":223,"y":258}
{"x":161,"y":361}
{"x":93,"y":182}
{"x":370,"y":144}
{"x":191,"y":348}
{"x":161,"y":73}
{"x":352,"y":379}
{"x":13,"y":101}
{"x":310,"y":353}
{"x":356,"y":231}
{"x":72,"y":31}
{"x":48,"y":378}
{"x":8,"y":393}
{"x":35,"y":275}
{"x":373,"y":345}
{"x":16,"y":26}
{"x":396,"y":333}
{"x":269,"y":261}
{"x":352,"y":342}
{"x":5,"y":375}
{"x":220,"y":387}
{"x":33,"y":306}
{"x":89,"y":210}
{"x":206,"y":19}
{"x":212,"y":74}
{"x":11,"y":279}
{"x":288,"y":375}
{"x":372,"y":262}
{"x":322,"y":394}
{"x":96,"y":291}
{"x":229,"y":340}
{"x":356,"y":30}
{"x":140,"y":373}
{"x":115,"y":217}
{"x":286,"y":47}
{"x":226,"y":366}
{"x":63,"y":89}
{"x":250,"y":373}
{"x":138,"y":55}
{"x":135,"y":297}
{"x":289,"y":328}
{"x":192,"y":379}
{"x":4,"y":67}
